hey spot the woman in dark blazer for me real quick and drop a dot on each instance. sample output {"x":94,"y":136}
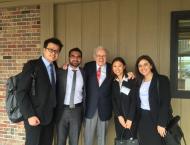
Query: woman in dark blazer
{"x":153,"y":102}
{"x":124,"y":100}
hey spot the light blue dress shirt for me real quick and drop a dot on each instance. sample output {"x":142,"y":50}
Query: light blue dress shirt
{"x":47,"y":64}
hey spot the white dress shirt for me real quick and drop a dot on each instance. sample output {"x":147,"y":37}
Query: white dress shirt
{"x":78,"y":89}
{"x":103,"y":73}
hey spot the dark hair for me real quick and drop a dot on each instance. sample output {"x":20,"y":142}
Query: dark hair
{"x":75,"y":49}
{"x":53,"y":40}
{"x":120,"y":59}
{"x":139,"y":76}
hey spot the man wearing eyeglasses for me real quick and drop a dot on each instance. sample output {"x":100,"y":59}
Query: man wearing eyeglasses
{"x":38,"y":109}
{"x":98,"y":109}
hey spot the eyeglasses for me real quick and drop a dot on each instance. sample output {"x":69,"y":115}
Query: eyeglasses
{"x":53,"y":51}
{"x":101,"y":56}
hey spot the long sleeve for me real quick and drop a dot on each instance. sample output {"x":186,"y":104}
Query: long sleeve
{"x":133,"y":102}
{"x":115,"y":98}
{"x":23,"y":92}
{"x":165,"y":98}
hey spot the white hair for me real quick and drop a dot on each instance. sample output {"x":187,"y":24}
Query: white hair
{"x":99,"y":48}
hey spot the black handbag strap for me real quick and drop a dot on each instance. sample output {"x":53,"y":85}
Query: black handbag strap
{"x":131,"y":138}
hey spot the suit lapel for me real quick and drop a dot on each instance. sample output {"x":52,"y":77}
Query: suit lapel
{"x":108,"y":70}
{"x":152,"y":87}
{"x":43,"y":70}
{"x":94,"y":73}
{"x":65,"y":80}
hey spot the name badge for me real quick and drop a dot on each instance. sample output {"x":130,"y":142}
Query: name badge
{"x":125,"y":90}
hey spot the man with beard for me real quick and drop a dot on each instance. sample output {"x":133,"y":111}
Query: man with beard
{"x":71,"y":94}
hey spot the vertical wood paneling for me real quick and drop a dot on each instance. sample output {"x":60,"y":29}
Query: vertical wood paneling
{"x":128,"y":28}
{"x":73,"y":26}
{"x":180,"y":106}
{"x":147,"y":28}
{"x":108,"y":28}
{"x":165,"y":8}
{"x":128,"y":31}
{"x":47,"y":21}
{"x":90,"y":29}
{"x":185,"y":4}
{"x":60,"y":30}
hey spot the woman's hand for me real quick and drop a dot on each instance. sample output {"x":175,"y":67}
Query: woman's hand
{"x":131,"y":75}
{"x":161,"y":131}
{"x":128,"y":124}
{"x":122,"y":121}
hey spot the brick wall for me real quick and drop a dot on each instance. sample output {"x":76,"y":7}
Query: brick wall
{"x":19,"y":41}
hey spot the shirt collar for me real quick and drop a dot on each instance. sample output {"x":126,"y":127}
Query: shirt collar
{"x":46,"y":62}
{"x":123,"y":79}
{"x":70,"y":68}
{"x":102,"y":67}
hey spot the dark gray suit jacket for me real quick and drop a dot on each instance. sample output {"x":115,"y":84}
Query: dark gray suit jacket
{"x":61,"y":90}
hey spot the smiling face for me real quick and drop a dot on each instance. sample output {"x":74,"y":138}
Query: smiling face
{"x":100,"y":57}
{"x":51,"y":53}
{"x":144,"y":67}
{"x":75,"y":59}
{"x":118,"y":69}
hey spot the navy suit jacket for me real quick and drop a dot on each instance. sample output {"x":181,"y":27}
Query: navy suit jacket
{"x":159,"y":99}
{"x":43,"y":103}
{"x":98,"y":98}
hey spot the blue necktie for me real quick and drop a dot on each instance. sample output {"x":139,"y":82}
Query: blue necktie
{"x":52,"y":75}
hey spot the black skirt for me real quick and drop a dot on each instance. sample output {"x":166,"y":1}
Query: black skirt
{"x":147,"y":129}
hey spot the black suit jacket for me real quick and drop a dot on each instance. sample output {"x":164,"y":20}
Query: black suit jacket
{"x":61,"y":90}
{"x":124,"y":104}
{"x":43,"y":103}
{"x":98,"y":98}
{"x":159,"y":99}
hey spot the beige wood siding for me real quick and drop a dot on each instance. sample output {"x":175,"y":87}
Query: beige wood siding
{"x":128,"y":28}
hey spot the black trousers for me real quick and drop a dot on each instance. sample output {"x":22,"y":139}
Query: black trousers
{"x":39,"y":135}
{"x":148,"y":134}
{"x":122,"y":133}
{"x":69,"y":125}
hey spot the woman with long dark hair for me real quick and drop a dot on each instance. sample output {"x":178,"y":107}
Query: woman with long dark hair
{"x":153,"y":101}
{"x":124,"y":100}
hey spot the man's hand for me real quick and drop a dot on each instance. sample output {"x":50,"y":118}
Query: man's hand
{"x":130,"y":75}
{"x":33,"y":121}
{"x":65,"y":66}
{"x":161,"y":131}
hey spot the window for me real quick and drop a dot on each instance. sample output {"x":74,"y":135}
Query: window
{"x":180,"y":54}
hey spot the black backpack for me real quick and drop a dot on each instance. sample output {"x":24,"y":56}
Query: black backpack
{"x":12,"y":106}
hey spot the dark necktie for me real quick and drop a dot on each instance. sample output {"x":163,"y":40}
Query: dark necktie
{"x":72,"y":105}
{"x":52,"y":75}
